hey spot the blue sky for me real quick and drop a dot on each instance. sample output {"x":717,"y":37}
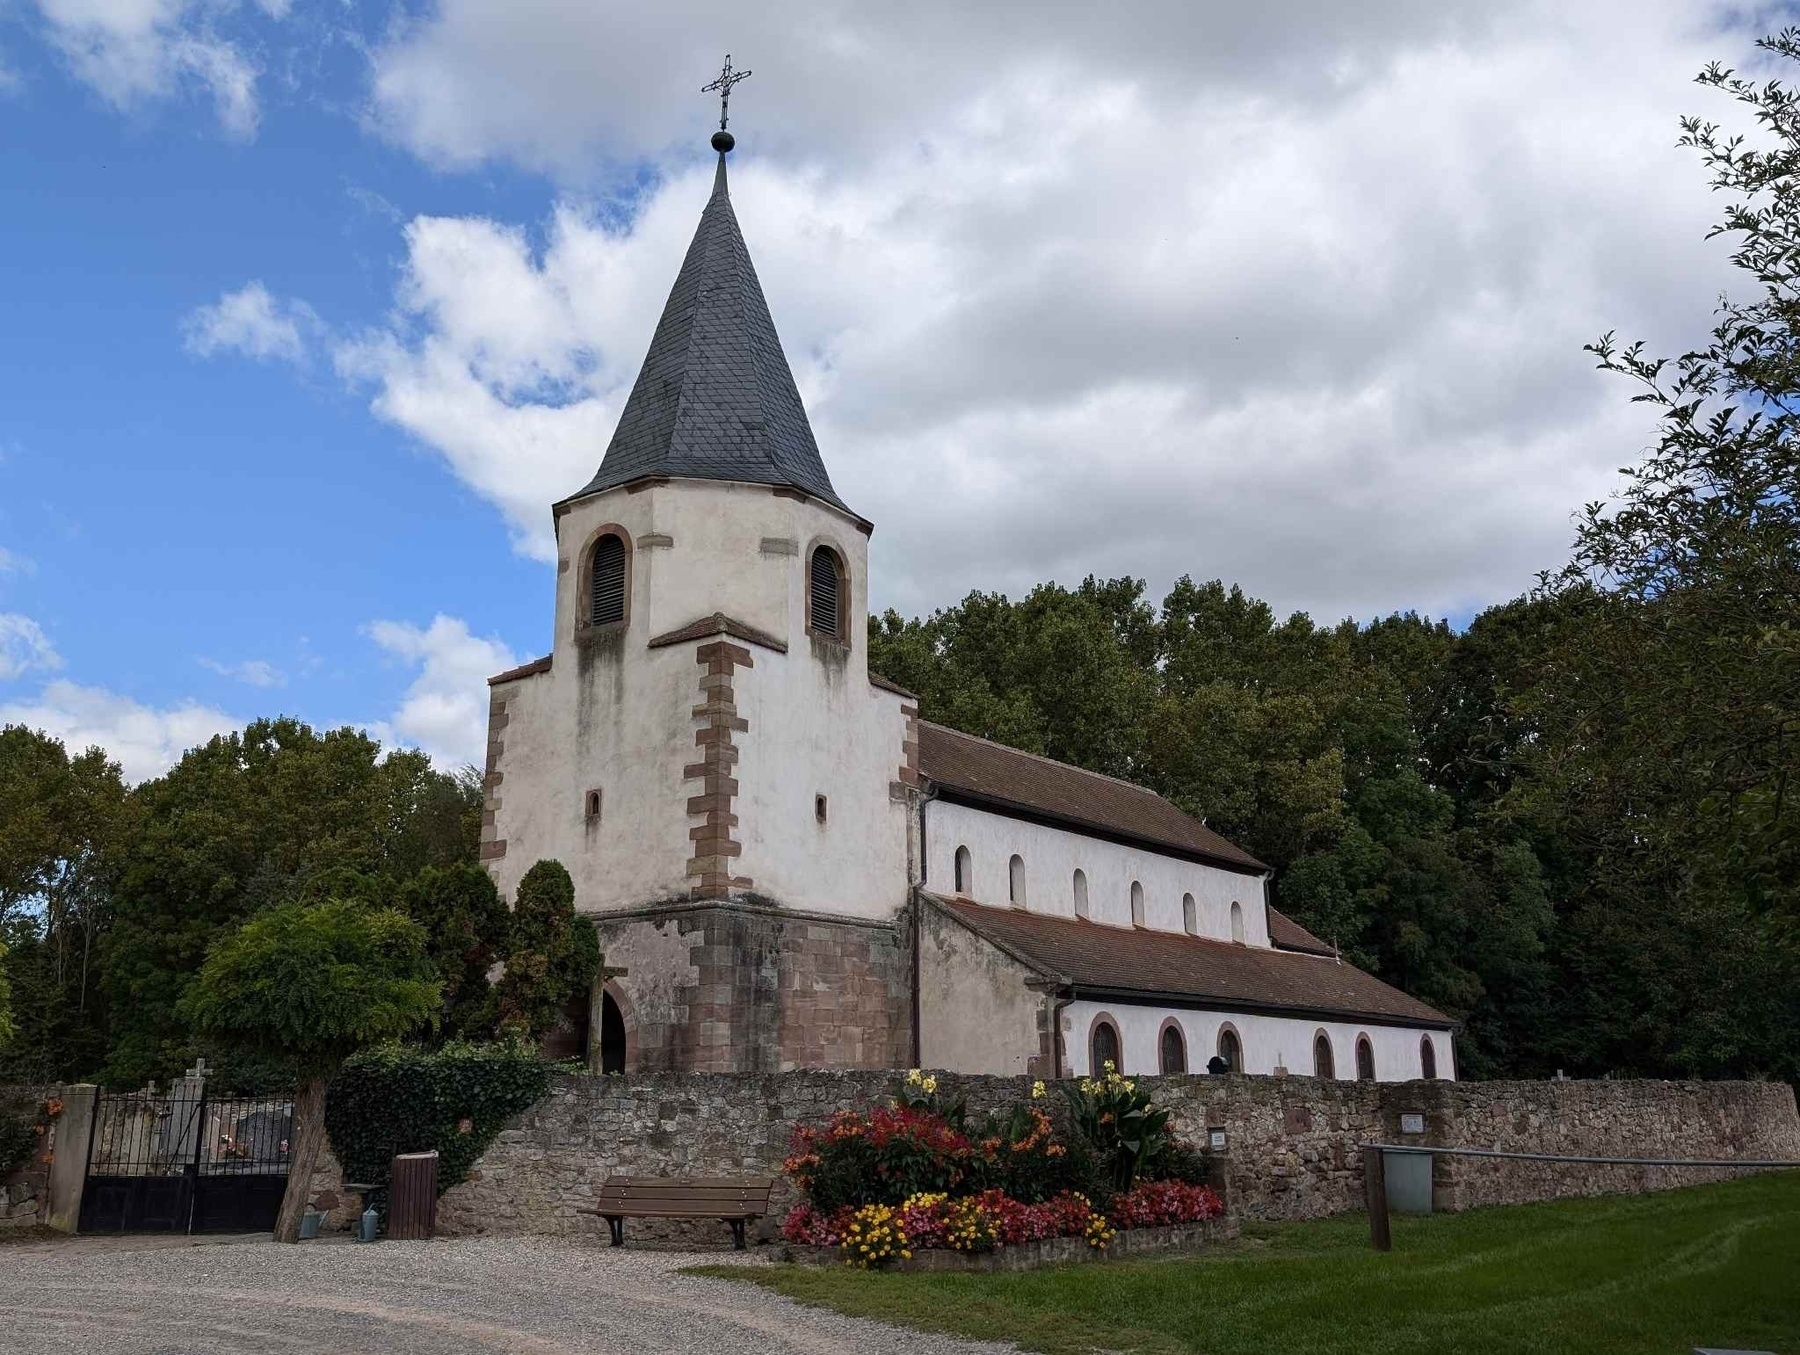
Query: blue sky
{"x":312,"y":309}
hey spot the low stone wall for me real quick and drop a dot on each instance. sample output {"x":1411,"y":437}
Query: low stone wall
{"x":25,"y":1193}
{"x":1291,"y":1141}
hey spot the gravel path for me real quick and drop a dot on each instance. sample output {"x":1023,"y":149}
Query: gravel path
{"x":535,"y":1296}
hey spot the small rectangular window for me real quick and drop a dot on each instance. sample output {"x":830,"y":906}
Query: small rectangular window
{"x":593,"y":804}
{"x":819,"y":808}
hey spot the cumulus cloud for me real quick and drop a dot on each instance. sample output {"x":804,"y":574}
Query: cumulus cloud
{"x":144,"y":740}
{"x":251,"y":672}
{"x":24,"y":646}
{"x":134,"y":51}
{"x":252,"y":322}
{"x":444,"y":712}
{"x":1295,"y":299}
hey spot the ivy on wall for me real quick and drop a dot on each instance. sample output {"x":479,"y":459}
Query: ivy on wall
{"x":402,"y":1099}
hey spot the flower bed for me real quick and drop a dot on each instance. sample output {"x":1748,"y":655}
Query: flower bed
{"x":907,"y":1183}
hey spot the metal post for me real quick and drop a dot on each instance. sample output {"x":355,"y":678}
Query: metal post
{"x":1375,"y":1196}
{"x":200,"y":1147}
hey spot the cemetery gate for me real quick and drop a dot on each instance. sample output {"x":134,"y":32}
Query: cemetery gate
{"x":185,"y":1162}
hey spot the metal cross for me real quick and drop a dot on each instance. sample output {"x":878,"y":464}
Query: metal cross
{"x":727,"y":78}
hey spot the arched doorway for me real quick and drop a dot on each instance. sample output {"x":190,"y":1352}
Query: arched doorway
{"x":612,"y":1035}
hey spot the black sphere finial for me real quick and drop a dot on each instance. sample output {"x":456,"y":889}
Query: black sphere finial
{"x":723,"y":141}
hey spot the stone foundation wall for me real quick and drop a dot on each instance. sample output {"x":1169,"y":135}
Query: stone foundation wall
{"x":1291,"y":1154}
{"x":740,"y":988}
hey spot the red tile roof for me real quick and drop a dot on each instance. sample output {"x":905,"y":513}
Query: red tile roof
{"x":1008,"y":779}
{"x":1288,"y":934}
{"x":1137,"y":964}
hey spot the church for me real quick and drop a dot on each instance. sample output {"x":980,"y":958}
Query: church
{"x":788,"y":865}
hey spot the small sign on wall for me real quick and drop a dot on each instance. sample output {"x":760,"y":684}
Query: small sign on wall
{"x":1412,"y":1122}
{"x":1215,"y":1140}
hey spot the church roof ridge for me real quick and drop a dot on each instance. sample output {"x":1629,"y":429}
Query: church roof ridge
{"x":715,"y":398}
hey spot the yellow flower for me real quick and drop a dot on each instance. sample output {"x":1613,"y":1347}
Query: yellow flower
{"x":1037,"y":1090}
{"x":930,"y":1085}
{"x":1107,"y":1067}
{"x":913,"y":1076}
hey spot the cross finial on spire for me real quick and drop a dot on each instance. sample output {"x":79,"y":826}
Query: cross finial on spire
{"x":727,"y":78}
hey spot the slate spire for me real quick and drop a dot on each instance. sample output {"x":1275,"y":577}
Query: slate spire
{"x":714,"y":399}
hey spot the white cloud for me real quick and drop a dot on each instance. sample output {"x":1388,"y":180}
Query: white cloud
{"x":133,"y":51}
{"x":444,"y":712}
{"x":13,"y":563}
{"x":1294,"y":298}
{"x":145,"y":741}
{"x":24,"y":646}
{"x":252,"y":672}
{"x":252,"y":322}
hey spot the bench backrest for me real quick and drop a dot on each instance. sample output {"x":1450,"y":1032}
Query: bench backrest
{"x":719,"y":1196}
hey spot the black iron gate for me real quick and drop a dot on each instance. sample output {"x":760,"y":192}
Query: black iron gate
{"x":186,"y":1162}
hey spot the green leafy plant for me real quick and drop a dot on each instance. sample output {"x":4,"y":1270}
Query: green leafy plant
{"x":18,"y":1139}
{"x":310,"y":983}
{"x":402,"y":1099}
{"x":552,"y":955}
{"x":1123,"y":1126}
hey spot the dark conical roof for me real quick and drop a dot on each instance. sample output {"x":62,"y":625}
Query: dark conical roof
{"x":715,"y":399}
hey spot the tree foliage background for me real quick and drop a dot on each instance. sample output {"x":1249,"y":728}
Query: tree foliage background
{"x":1572,"y":824}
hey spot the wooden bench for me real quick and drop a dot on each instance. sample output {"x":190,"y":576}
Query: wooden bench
{"x":735,"y":1201}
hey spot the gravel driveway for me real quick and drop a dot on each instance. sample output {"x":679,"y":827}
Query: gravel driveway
{"x":536,"y":1296}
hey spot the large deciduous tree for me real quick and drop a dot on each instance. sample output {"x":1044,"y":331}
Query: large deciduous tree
{"x":252,"y":820}
{"x":308,"y":984}
{"x":63,"y":821}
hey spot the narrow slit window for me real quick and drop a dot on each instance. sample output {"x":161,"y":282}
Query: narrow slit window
{"x":607,"y":604}
{"x":1081,"y":900}
{"x":1237,"y":922}
{"x":1015,"y":881}
{"x":819,"y":808}
{"x":964,"y":867}
{"x":593,"y":804}
{"x":1137,"y":904}
{"x":825,"y":584}
{"x":1190,"y":915}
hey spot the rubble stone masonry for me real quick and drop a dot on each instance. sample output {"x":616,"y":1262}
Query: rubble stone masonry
{"x":1292,"y":1141}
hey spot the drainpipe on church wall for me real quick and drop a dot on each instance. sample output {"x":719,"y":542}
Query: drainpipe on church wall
{"x":924,"y":797}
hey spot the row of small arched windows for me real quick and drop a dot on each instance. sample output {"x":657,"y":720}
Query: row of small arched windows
{"x":1104,"y":1048}
{"x":1015,"y":886}
{"x":827,"y":584}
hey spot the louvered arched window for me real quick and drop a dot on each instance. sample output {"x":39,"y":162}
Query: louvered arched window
{"x":825,"y":594}
{"x":606,"y":604}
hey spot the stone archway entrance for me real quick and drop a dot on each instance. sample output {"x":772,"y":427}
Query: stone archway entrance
{"x":612,"y":1035}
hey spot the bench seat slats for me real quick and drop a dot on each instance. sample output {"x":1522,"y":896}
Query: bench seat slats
{"x":734,"y":1200}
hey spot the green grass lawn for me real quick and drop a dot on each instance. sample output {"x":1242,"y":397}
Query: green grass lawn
{"x":1713,"y":1265}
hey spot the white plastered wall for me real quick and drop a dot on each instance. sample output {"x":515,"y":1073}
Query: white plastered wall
{"x":1266,"y":1041}
{"x":617,"y":716}
{"x":1051,"y":857}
